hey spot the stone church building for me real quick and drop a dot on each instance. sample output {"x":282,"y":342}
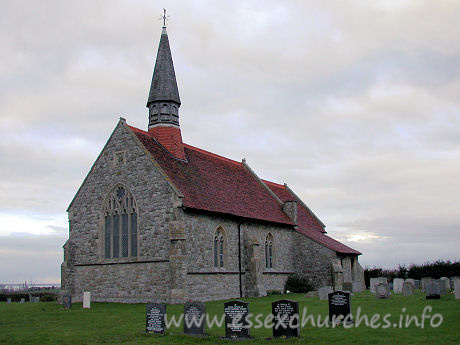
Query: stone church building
{"x":156,"y":219}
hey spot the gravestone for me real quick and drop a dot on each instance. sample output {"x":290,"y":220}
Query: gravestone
{"x":375,"y":281}
{"x":425,"y":281}
{"x":457,"y":288}
{"x":23,"y":300}
{"x":339,"y":304}
{"x":288,"y":312}
{"x":452,"y":282}
{"x":30,"y":298}
{"x":347,"y":286}
{"x":67,"y":301}
{"x":410,"y":280}
{"x":324,"y":292}
{"x":235,"y":319}
{"x":418,"y":284}
{"x":35,"y":299}
{"x":194,"y":318}
{"x":397,"y":285}
{"x":155,"y":318}
{"x":433,"y":290}
{"x":8,"y":300}
{"x":382,"y":291}
{"x":445,"y":285}
{"x":408,"y":289}
{"x":87,"y":300}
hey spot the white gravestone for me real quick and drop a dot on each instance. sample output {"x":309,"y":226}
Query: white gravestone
{"x":86,"y":300}
{"x":457,"y":288}
{"x":446,"y":283}
{"x":397,"y":285}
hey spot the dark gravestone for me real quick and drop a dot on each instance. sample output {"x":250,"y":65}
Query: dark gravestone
{"x":155,"y":318}
{"x":286,"y":314}
{"x":235,"y":319}
{"x":194,"y":318}
{"x":339,"y":304}
{"x":67,"y":301}
{"x":433,"y":291}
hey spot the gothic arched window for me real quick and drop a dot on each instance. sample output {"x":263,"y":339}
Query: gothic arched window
{"x":219,"y":248}
{"x":120,"y":226}
{"x":269,"y":251}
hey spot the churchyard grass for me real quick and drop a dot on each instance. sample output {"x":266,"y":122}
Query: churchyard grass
{"x":113,"y":323}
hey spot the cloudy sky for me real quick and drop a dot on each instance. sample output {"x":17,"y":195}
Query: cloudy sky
{"x":354,"y":104}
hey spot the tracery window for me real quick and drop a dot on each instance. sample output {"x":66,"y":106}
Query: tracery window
{"x":120,"y":225}
{"x":219,"y":247}
{"x":269,"y":251}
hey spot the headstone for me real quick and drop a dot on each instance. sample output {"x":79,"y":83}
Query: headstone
{"x":390,"y":285}
{"x":382,"y":291}
{"x":375,"y":281}
{"x":67,"y":301}
{"x":397,"y":285}
{"x":288,"y":311}
{"x":8,"y":300}
{"x":23,"y":300}
{"x":155,"y":318}
{"x":407,"y":289}
{"x":433,"y":290}
{"x":418,"y":284}
{"x":35,"y":299}
{"x":86,"y":300}
{"x":411,"y":281}
{"x":425,"y":281}
{"x":194,"y":318}
{"x":457,"y":288}
{"x":452,"y":282}
{"x":324,"y":291}
{"x":445,"y":285}
{"x":358,"y":286}
{"x":347,"y":286}
{"x":30,"y":298}
{"x":339,"y":304}
{"x":235,"y":319}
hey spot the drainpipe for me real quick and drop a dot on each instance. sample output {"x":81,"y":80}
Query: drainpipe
{"x":239,"y":259}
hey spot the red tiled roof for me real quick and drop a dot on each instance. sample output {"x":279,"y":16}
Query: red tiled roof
{"x":214,"y":183}
{"x":309,"y":225}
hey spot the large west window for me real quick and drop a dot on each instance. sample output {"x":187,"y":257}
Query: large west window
{"x":120,"y":224}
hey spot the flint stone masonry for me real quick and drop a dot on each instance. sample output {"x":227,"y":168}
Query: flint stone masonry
{"x":397,"y":285}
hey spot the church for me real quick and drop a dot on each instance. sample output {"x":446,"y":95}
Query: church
{"x":159,"y":220}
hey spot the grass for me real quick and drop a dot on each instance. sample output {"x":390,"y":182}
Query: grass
{"x":113,"y":323}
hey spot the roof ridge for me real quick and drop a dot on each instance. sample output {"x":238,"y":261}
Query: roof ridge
{"x":215,"y":155}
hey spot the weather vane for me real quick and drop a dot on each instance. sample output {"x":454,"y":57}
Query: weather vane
{"x":164,"y":17}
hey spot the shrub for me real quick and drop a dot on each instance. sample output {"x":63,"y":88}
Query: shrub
{"x":273,"y":292}
{"x":298,"y":283}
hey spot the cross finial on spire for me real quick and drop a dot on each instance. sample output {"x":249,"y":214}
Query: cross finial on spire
{"x":164,"y":17}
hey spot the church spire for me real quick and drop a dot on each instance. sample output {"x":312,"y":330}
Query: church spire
{"x":164,"y":101}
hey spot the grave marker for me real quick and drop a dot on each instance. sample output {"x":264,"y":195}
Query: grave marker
{"x":398,"y":285}
{"x":67,"y":301}
{"x":339,"y":304}
{"x":8,"y":300}
{"x":408,"y":289}
{"x":288,"y":312}
{"x":235,"y":319}
{"x":22,"y":300}
{"x":155,"y":318}
{"x":194,"y":318}
{"x":425,"y":281}
{"x":86,"y":300}
{"x":382,"y":291}
{"x":457,"y":288}
{"x":444,"y":285}
{"x":433,"y":290}
{"x":375,"y":281}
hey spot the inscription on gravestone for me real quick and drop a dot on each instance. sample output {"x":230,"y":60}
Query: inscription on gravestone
{"x":155,"y":318}
{"x":194,"y":318}
{"x":235,"y":319}
{"x":288,"y":313}
{"x":67,"y":301}
{"x":339,"y":307}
